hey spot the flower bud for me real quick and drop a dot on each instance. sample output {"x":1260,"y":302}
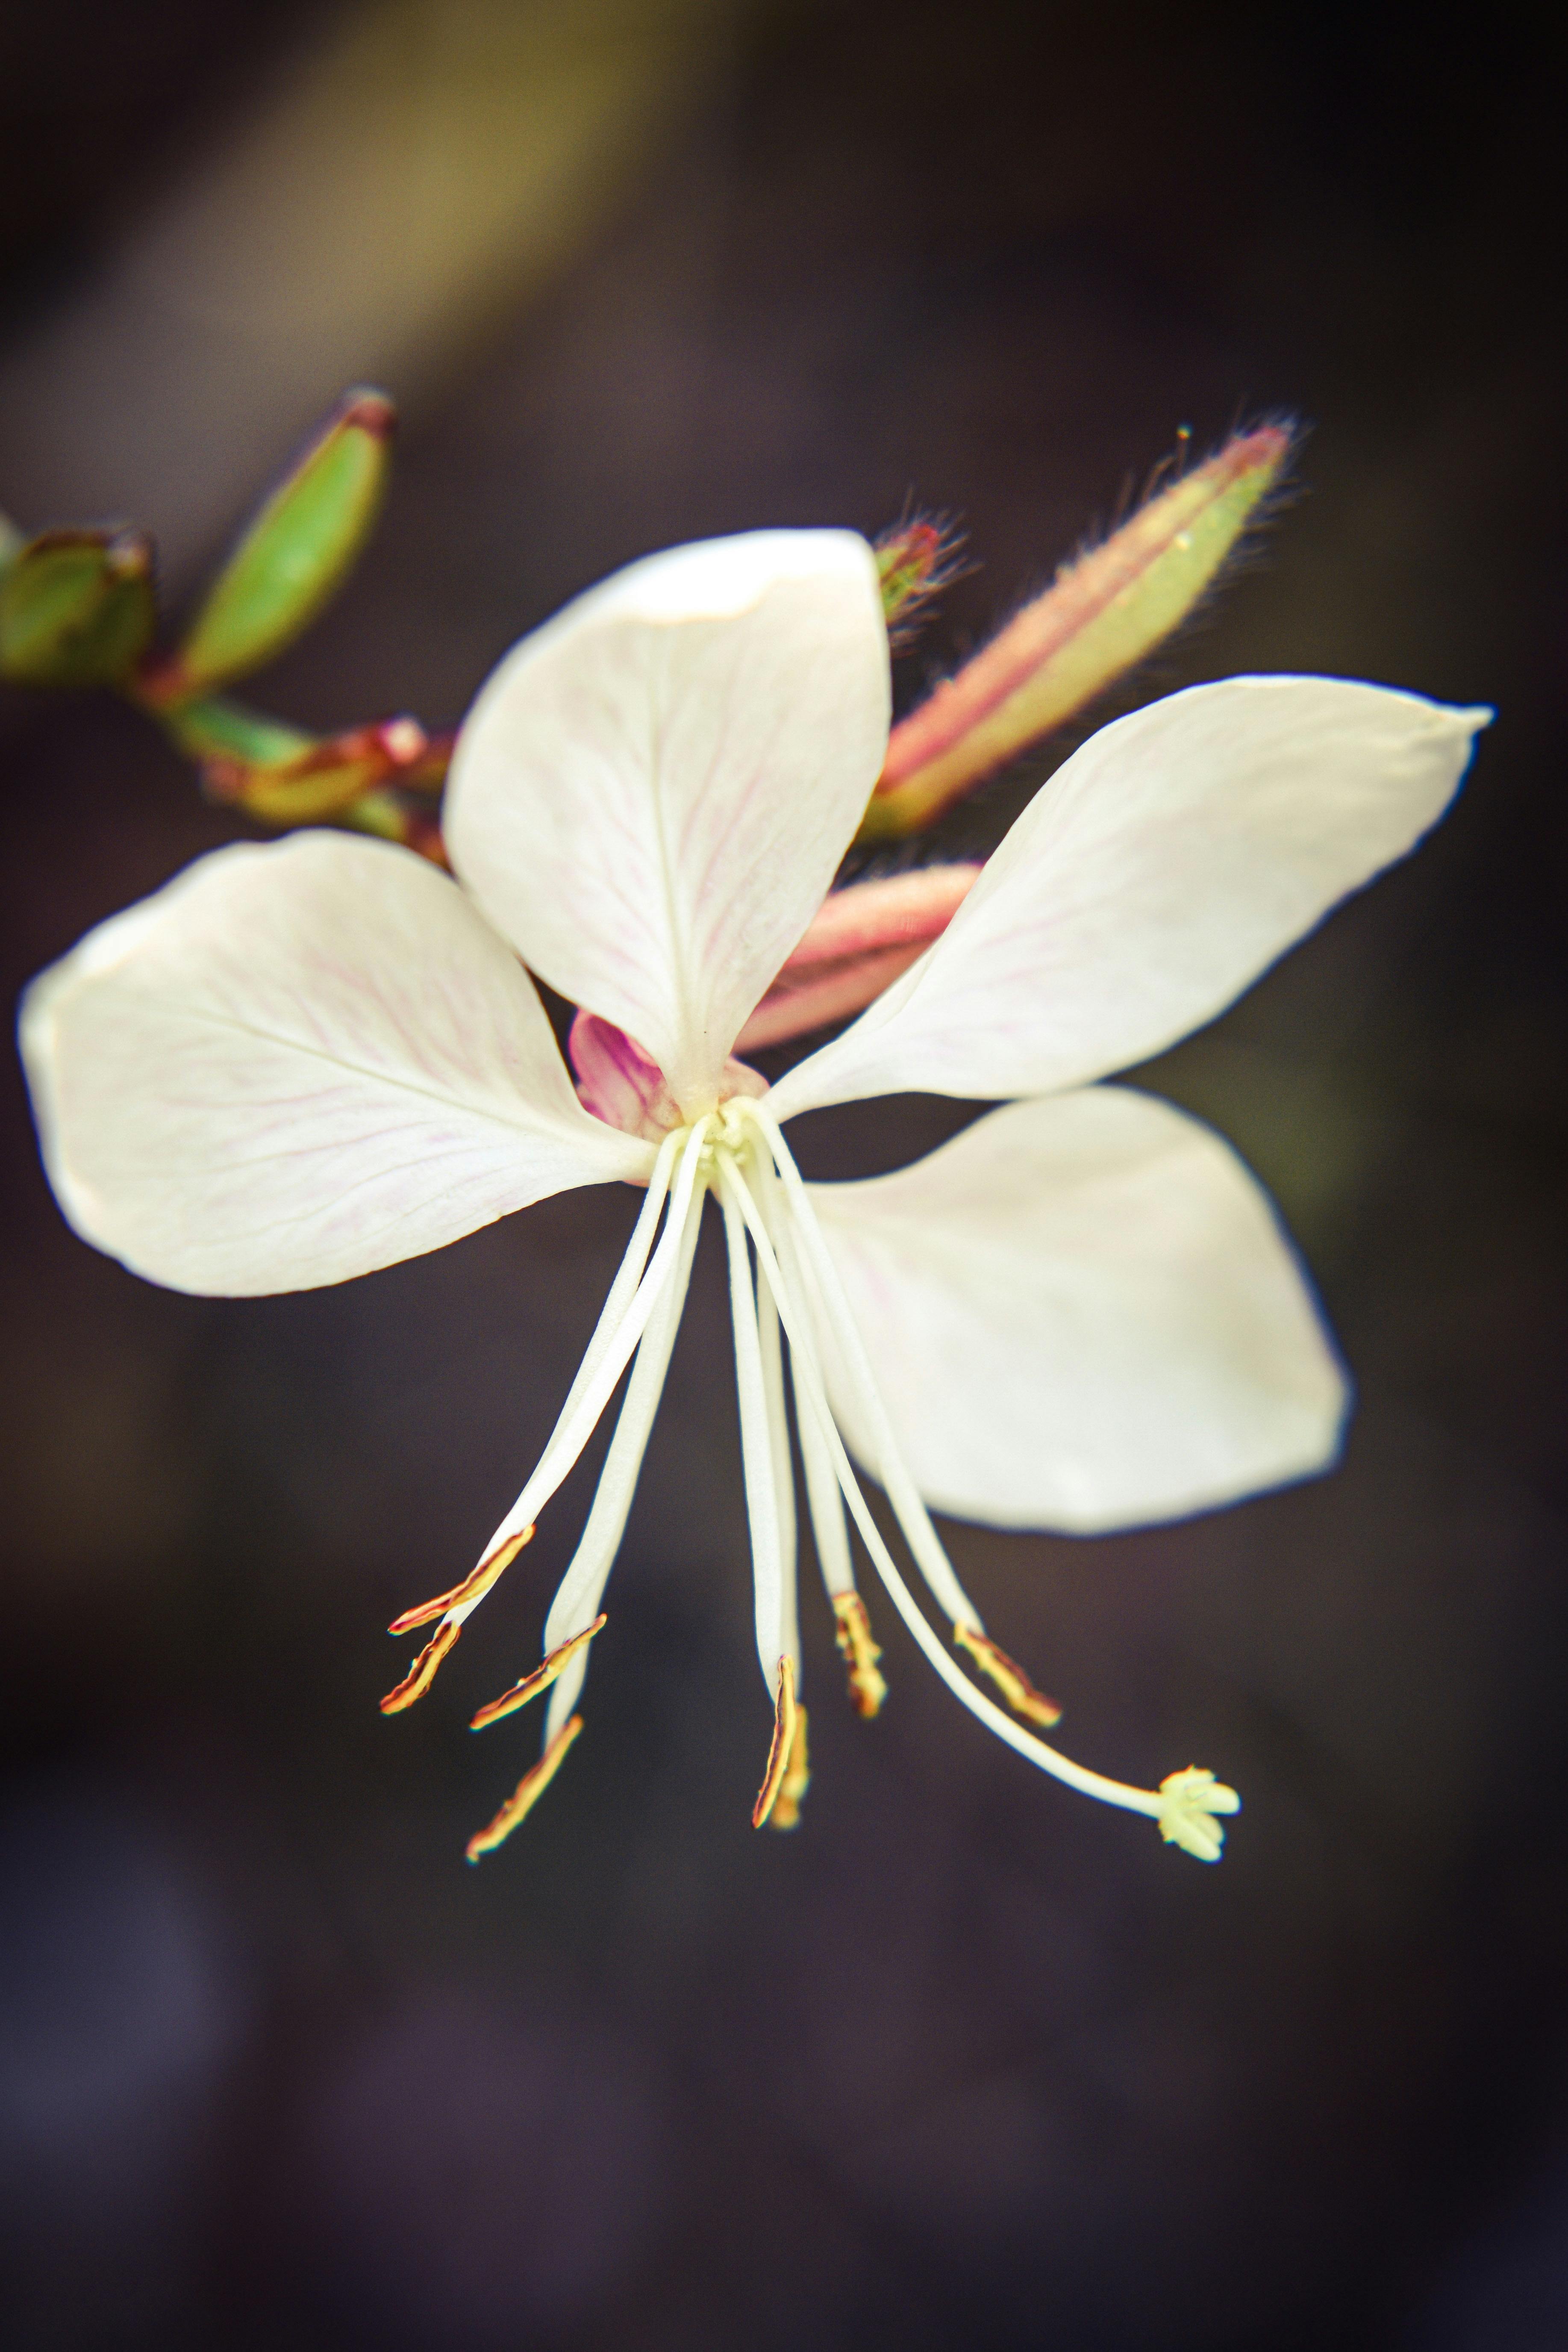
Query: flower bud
{"x":285,"y":778}
{"x":914,"y":559}
{"x":77,"y":608}
{"x":294,"y":555}
{"x":1100,"y":615}
{"x":857,"y":944}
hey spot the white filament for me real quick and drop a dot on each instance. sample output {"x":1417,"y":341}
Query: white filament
{"x":756,"y":1440}
{"x":901,"y":1489}
{"x":796,"y":1329}
{"x":825,"y":1502}
{"x":795,"y":1279}
{"x":582,"y":1589}
{"x":610,"y":1349}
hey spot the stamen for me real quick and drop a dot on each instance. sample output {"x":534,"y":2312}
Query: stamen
{"x":422,"y":1673}
{"x":924,"y":1542}
{"x":526,"y":1795}
{"x":539,"y":1680}
{"x":781,"y":1754}
{"x":771,"y":1346}
{"x":1008,"y":1676}
{"x":1178,"y":1799}
{"x":773,"y":1612}
{"x":615,"y":1340}
{"x":868,"y":1688}
{"x":823,"y":1496}
{"x":785,"y":1814}
{"x":473,"y":1587}
{"x":583,"y":1586}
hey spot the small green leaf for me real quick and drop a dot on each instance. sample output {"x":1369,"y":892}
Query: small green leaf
{"x":296,"y":553}
{"x":77,"y":608}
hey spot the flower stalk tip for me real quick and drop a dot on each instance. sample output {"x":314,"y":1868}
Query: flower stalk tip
{"x":914,"y":563}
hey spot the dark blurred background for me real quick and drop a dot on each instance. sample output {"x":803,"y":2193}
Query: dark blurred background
{"x":965,"y":2061}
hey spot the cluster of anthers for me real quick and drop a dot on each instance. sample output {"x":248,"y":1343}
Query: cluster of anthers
{"x":784,"y":1291}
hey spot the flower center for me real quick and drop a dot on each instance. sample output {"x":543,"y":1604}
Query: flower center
{"x":620,"y":1081}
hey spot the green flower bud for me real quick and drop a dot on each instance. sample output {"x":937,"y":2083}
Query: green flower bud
{"x":294,"y":556}
{"x":1101,"y":615}
{"x":914,"y":560}
{"x":77,"y":608}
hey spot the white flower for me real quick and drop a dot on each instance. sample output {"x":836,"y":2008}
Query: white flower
{"x":305,"y":1061}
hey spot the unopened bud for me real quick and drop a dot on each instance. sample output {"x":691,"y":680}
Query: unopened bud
{"x":283,"y":777}
{"x":914,"y":559}
{"x":77,"y":608}
{"x":858,"y":944}
{"x":1101,"y":615}
{"x":293,"y":557}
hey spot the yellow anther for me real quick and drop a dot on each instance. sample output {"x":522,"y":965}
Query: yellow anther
{"x":1008,"y":1676}
{"x":526,"y":1795}
{"x":859,"y":1652}
{"x":472,"y":1588}
{"x":422,"y":1673}
{"x":796,"y":1780}
{"x":781,"y":1754}
{"x":540,"y":1679}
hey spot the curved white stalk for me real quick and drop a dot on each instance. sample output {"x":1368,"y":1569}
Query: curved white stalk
{"x":580,"y":1589}
{"x":576,"y":1425}
{"x":1048,"y":1760}
{"x":770,"y":1337}
{"x":756,"y":1438}
{"x":628,"y":1274}
{"x":930,"y":1554}
{"x":823,"y":1497}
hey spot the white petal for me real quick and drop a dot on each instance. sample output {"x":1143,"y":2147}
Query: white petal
{"x":651,"y":794}
{"x":298,"y":1063}
{"x":1082,"y":1315}
{"x":1155,"y":875}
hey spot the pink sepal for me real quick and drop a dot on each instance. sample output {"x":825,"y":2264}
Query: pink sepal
{"x":860,"y":939}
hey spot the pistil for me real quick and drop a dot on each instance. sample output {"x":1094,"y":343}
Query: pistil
{"x":1185,"y":1803}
